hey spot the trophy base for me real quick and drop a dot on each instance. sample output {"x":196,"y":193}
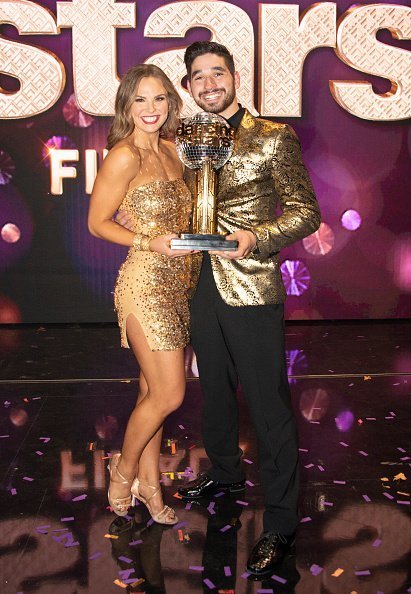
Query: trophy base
{"x":204,"y":242}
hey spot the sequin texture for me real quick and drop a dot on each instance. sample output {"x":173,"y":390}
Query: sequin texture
{"x":151,"y":286}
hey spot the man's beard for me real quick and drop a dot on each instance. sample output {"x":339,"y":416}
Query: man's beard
{"x":221,"y":105}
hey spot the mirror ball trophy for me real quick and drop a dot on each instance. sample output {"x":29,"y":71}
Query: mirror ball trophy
{"x":204,"y":142}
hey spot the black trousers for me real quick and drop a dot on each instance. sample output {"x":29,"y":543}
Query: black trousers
{"x":246,"y":344}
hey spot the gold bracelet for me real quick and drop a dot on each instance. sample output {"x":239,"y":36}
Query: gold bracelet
{"x":141,"y":242}
{"x":145,"y":243}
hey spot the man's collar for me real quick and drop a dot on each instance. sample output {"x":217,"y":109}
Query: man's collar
{"x":236,"y":118}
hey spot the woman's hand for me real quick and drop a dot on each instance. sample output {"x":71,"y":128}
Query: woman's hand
{"x":161,"y":245}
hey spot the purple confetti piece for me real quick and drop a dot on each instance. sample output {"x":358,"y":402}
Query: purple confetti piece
{"x":321,"y":468}
{"x":401,"y":450}
{"x":220,"y":494}
{"x":4,"y":436}
{"x":227,"y":571}
{"x":362,"y":453}
{"x":308,"y":465}
{"x":306,"y":519}
{"x":377,"y":543}
{"x":209,"y":584}
{"x":387,"y":495}
{"x":315,"y":569}
{"x":60,"y":530}
{"x":28,"y":478}
{"x":42,"y":529}
{"x":95,"y":556}
{"x":370,"y":418}
{"x":302,"y":450}
{"x":340,"y":482}
{"x":363,"y":572}
{"x":328,"y":503}
{"x":68,"y":519}
{"x":225,"y":528}
{"x":80,"y":497}
{"x":366,"y":498}
{"x":39,"y":453}
{"x":405,"y":458}
{"x":247,"y":461}
{"x":71,"y":544}
{"x":45,"y":439}
{"x":210,"y":508}
{"x":265,"y":591}
{"x":277,"y":578}
{"x":13,"y":491}
{"x":188,"y":505}
{"x":388,"y":417}
{"x":392,"y":413}
{"x":125,"y":559}
{"x":241,"y":502}
{"x":245,"y":575}
{"x":125,"y":573}
{"x":402,"y":502}
{"x":150,"y":522}
{"x":181,"y":427}
{"x":249,"y":484}
{"x":196,"y":567}
{"x":180,"y":525}
{"x":344,"y":444}
{"x":133,"y":543}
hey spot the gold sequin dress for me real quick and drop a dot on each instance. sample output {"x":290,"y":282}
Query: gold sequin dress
{"x":150,"y":286}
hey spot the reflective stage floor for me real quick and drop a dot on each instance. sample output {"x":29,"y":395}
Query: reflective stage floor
{"x":66,"y":393}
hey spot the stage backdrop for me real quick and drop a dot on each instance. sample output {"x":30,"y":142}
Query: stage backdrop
{"x":339,"y":74}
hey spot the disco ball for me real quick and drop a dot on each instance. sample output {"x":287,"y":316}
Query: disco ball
{"x":204,"y":136}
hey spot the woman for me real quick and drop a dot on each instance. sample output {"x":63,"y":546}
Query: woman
{"x":143,"y":175}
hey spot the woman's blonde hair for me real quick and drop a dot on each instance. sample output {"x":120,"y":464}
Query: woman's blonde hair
{"x":123,"y":124}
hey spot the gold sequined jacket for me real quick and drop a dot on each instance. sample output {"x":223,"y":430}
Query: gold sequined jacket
{"x":264,"y":171}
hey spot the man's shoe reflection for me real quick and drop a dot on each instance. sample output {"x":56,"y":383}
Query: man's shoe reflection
{"x":144,"y":572}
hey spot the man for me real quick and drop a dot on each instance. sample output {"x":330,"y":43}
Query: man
{"x":237,"y":309}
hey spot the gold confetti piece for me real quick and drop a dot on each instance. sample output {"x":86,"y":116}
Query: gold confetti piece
{"x":177,"y":496}
{"x":367,"y":377}
{"x":400,"y":477}
{"x":402,"y":493}
{"x":119,"y":583}
{"x":384,"y":478}
{"x":337,"y":572}
{"x":138,"y":582}
{"x":113,"y":536}
{"x":125,"y":381}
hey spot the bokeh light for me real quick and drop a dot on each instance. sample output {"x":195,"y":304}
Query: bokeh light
{"x":56,"y":142}
{"x":74,"y":116}
{"x":321,"y":242}
{"x":314,"y":403}
{"x":9,"y":311}
{"x":344,"y":420}
{"x":18,"y":417}
{"x":351,"y":220}
{"x":401,"y":263}
{"x":296,"y":277}
{"x":106,"y":427}
{"x":10,"y":233}
{"x":7,"y":168}
{"x":296,"y":363}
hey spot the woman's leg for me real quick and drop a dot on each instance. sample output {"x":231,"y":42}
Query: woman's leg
{"x":164,"y":374}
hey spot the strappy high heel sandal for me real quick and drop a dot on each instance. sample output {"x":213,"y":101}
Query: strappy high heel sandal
{"x":165,"y":516}
{"x":119,"y":505}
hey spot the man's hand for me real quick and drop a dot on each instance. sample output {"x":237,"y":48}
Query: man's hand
{"x":246,"y":243}
{"x":124,"y":219}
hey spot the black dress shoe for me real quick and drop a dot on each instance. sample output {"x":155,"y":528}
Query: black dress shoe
{"x":268,"y":552}
{"x":203,"y":486}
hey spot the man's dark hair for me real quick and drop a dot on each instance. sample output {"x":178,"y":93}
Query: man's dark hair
{"x":199,"y":48}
